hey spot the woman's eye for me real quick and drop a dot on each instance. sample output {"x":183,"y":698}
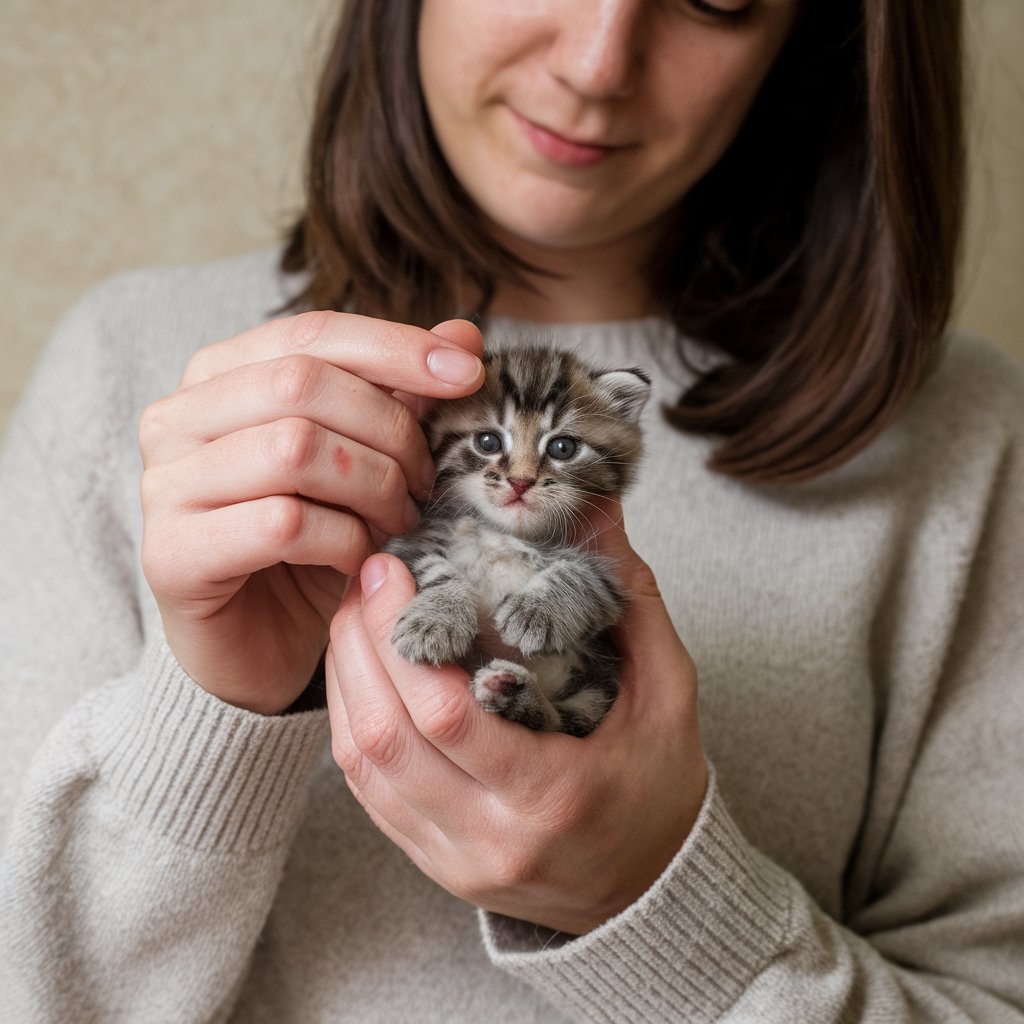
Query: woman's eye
{"x":729,"y":11}
{"x":561,"y":448}
{"x":488,"y":442}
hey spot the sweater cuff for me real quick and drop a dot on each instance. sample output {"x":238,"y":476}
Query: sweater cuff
{"x":686,"y":950}
{"x":200,"y":772}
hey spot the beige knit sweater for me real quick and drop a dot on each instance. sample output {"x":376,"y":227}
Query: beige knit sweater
{"x":860,"y":645}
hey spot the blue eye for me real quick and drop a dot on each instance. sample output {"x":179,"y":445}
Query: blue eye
{"x":488,"y":442}
{"x":561,"y":448}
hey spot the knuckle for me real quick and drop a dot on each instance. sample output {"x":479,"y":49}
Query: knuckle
{"x":305,"y":330}
{"x":197,"y":368}
{"x":291,"y":443}
{"x":152,"y":425}
{"x":390,"y":481}
{"x":512,"y":864}
{"x":284,"y":519}
{"x":377,"y":738}
{"x":351,"y":538}
{"x":347,"y":758}
{"x":445,"y":720}
{"x":161,"y":559}
{"x":151,"y":489}
{"x":295,"y":380}
{"x":641,"y":580}
{"x":402,"y":426}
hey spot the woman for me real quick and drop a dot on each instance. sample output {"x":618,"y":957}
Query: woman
{"x":759,"y":199}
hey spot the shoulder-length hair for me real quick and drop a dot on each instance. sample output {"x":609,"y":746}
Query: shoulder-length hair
{"x":818,"y":256}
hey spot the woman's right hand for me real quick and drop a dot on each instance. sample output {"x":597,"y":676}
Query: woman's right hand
{"x":283,"y":456}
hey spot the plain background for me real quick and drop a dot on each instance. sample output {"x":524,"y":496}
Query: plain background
{"x":148,"y":132}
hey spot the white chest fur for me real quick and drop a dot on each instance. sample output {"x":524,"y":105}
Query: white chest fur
{"x":495,"y":563}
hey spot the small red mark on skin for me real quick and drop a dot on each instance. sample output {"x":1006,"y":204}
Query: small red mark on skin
{"x":342,"y":460}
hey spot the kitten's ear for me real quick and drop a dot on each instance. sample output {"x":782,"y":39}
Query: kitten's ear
{"x":626,"y":390}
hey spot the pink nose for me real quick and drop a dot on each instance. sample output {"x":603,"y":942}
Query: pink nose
{"x":520,"y":486}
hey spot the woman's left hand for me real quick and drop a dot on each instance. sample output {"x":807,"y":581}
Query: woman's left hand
{"x":542,"y":827}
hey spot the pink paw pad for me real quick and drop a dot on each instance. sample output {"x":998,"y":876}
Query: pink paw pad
{"x":501,"y":683}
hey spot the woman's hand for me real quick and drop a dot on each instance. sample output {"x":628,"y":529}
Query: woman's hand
{"x":543,"y":827}
{"x":285,"y":453}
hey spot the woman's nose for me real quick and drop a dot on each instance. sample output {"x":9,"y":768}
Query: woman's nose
{"x":598,"y":48}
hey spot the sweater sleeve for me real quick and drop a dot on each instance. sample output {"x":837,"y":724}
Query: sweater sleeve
{"x":146,"y":824}
{"x":933,"y":923}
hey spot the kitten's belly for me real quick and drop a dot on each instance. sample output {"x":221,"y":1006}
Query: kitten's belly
{"x":495,"y":563}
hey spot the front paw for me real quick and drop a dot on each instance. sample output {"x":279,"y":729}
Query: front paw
{"x":529,"y":624}
{"x":428,"y":633}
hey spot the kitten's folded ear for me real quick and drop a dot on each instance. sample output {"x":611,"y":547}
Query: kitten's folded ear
{"x":627,"y":390}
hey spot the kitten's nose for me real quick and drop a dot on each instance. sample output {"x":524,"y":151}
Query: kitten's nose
{"x":520,"y":486}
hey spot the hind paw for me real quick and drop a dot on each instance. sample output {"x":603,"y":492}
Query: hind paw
{"x":512,"y":691}
{"x":500,"y":684}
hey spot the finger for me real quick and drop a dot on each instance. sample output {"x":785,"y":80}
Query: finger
{"x":289,"y":456}
{"x":603,"y":531}
{"x":397,"y":822}
{"x":485,"y":746}
{"x":377,"y":744}
{"x":185,"y":556}
{"x":297,"y":386}
{"x":459,"y":332}
{"x":397,"y":356}
{"x":657,"y":675}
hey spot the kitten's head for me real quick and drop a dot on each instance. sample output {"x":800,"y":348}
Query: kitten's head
{"x":544,"y":434}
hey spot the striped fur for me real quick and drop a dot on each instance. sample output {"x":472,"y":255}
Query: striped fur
{"x":500,"y":590}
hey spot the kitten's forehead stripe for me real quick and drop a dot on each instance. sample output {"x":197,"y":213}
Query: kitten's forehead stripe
{"x":557,"y":396}
{"x":508,"y":386}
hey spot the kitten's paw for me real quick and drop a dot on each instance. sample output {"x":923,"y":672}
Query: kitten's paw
{"x":426,"y":633}
{"x":508,"y":689}
{"x":499,"y":684}
{"x":528,"y":623}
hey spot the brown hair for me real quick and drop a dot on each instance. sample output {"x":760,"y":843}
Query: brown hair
{"x":818,"y":255}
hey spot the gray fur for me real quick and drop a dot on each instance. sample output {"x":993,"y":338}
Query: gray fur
{"x":499,"y":589}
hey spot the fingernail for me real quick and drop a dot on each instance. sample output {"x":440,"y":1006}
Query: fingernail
{"x":453,"y":366}
{"x":373,"y":573}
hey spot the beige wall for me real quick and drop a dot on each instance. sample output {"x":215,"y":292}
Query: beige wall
{"x":151,"y":132}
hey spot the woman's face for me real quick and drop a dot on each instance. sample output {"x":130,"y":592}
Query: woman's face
{"x":577,"y":123}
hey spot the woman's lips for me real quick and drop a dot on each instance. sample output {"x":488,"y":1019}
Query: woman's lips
{"x":560,"y":150}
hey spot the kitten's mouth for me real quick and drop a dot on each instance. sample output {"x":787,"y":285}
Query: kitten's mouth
{"x":517,"y":506}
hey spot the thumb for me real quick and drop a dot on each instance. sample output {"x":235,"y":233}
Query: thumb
{"x":604,"y":532}
{"x":646,"y":626}
{"x":652,"y":652}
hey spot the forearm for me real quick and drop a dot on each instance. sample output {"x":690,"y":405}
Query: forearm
{"x":727,"y":935}
{"x":147,"y":849}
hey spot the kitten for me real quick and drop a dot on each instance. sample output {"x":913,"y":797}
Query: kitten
{"x":499,"y":589}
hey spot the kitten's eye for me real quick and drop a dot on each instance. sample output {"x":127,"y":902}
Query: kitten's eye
{"x":488,"y":442}
{"x":561,"y":448}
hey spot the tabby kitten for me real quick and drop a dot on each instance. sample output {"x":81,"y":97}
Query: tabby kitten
{"x":499,"y":589}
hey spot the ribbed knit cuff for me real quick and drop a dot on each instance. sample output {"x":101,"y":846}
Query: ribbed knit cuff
{"x":685,"y":950}
{"x":203,"y":773}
